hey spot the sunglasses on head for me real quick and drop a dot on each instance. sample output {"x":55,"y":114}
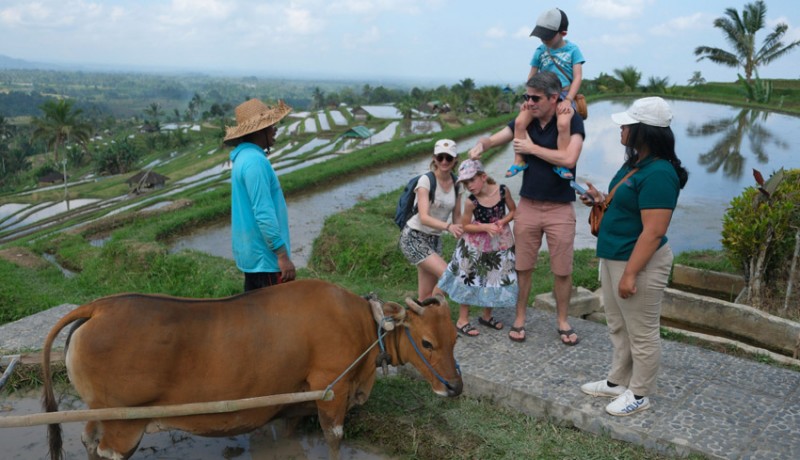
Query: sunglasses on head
{"x":442,"y":157}
{"x":531,"y":97}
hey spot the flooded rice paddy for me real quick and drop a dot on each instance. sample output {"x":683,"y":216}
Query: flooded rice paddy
{"x":270,"y":442}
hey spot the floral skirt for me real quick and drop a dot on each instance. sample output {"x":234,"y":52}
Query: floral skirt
{"x":482,"y":272}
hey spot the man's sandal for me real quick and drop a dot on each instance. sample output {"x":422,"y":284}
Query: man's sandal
{"x":518,"y":330}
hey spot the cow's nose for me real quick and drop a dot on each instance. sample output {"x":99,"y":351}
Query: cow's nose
{"x":454,"y":388}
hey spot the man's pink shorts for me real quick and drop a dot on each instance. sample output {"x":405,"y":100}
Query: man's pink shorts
{"x":534,"y":219}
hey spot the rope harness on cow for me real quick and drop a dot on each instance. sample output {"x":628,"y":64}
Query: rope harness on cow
{"x":436,"y":374}
{"x":350,"y":367}
{"x":384,"y":358}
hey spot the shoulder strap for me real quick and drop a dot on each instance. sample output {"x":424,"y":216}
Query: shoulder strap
{"x":432,"y":191}
{"x":625,"y":177}
{"x":555,"y":63}
{"x":432,"y":177}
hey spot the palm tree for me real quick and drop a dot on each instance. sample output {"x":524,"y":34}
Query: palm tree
{"x":657,"y":84}
{"x":194,"y":106}
{"x":740,"y":32}
{"x":748,"y":124}
{"x":5,"y":138}
{"x":60,"y":125}
{"x":154,"y":114}
{"x":629,"y":76}
{"x":318,"y":98}
{"x":697,"y":79}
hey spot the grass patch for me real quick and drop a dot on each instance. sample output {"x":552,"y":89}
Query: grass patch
{"x":707,"y":259}
{"x":409,"y":421}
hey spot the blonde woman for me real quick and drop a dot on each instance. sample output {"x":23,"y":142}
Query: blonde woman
{"x":421,"y":238}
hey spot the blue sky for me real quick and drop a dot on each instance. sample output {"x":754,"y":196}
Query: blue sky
{"x":432,"y":41}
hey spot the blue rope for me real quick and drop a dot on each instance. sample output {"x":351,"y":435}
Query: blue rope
{"x":436,"y":374}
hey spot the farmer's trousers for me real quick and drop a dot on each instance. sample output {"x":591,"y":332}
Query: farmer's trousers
{"x":634,"y":323}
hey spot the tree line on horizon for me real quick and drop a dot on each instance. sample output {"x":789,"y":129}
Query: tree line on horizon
{"x":63,"y":110}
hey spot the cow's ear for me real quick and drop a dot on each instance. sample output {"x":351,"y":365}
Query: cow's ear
{"x":414,"y":306}
{"x":395,"y":312}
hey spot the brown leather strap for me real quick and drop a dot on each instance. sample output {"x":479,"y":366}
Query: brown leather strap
{"x":611,"y":193}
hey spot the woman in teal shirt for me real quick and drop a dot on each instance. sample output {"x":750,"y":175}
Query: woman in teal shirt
{"x":635,"y":258}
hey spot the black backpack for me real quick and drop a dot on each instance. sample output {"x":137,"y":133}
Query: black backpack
{"x":405,"y":205}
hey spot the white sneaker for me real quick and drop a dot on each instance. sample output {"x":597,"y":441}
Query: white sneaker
{"x":627,"y":404}
{"x":601,"y":389}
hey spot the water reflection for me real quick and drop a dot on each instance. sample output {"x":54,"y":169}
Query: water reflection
{"x":696,"y":224}
{"x":727,"y":151}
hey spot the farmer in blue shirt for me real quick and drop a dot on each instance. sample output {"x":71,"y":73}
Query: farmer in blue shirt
{"x":259,"y":218}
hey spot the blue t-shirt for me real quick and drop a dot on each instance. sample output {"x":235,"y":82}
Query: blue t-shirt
{"x":259,"y":217}
{"x":566,"y":56}
{"x":539,"y":181}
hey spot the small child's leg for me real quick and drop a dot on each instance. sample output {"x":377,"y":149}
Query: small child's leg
{"x":488,"y":320}
{"x":521,"y":123}
{"x":462,"y":323}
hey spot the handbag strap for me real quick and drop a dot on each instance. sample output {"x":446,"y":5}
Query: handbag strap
{"x":624,"y":178}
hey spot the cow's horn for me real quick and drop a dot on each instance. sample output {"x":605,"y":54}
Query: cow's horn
{"x":377,"y":313}
{"x":417,"y":308}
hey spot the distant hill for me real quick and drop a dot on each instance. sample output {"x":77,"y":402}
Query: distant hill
{"x":8,"y":63}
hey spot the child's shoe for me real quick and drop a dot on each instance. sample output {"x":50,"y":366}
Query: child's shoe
{"x":516,"y":169}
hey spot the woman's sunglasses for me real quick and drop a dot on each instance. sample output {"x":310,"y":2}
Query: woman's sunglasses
{"x":442,"y":157}
{"x":530,"y":97}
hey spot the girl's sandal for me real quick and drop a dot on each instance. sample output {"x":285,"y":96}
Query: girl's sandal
{"x":491,"y":323}
{"x":466,"y":329}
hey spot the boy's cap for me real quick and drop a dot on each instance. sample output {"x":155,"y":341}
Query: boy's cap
{"x":469,"y":169}
{"x":550,"y":23}
{"x":652,"y":111}
{"x":445,"y":146}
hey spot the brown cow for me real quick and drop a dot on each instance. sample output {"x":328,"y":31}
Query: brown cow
{"x":132,"y":350}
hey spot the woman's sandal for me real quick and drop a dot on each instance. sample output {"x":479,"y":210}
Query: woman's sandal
{"x":563,"y":172}
{"x":516,"y":169}
{"x":466,"y":329}
{"x":490,"y":323}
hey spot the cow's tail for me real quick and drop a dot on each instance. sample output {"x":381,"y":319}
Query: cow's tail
{"x":49,"y":402}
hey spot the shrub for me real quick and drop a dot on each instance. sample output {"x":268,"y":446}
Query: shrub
{"x":759,"y":233}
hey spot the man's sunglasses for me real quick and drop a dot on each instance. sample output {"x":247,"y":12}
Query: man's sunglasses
{"x":534,"y":98}
{"x":442,"y":157}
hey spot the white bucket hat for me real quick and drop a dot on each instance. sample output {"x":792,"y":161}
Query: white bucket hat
{"x":652,"y":111}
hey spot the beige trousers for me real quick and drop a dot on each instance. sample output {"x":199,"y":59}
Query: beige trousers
{"x":634,"y":323}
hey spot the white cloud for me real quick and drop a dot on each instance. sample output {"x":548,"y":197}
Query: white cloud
{"x":523,"y":32}
{"x":613,"y":9}
{"x":369,"y":36}
{"x":495,"y":33}
{"x":33,"y":14}
{"x":371,"y":7}
{"x":301,"y":21}
{"x":696,"y":21}
{"x":623,"y":42}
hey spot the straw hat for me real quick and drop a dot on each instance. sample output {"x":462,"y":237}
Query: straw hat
{"x":254,"y":115}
